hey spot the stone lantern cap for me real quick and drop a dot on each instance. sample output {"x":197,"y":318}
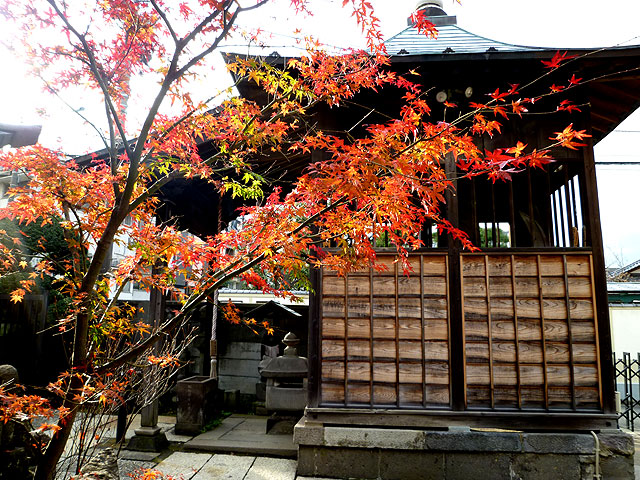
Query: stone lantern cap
{"x":289,"y":365}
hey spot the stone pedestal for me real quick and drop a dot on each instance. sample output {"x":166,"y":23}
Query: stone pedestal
{"x":149,"y":437}
{"x":459,"y":453}
{"x":196,"y":404}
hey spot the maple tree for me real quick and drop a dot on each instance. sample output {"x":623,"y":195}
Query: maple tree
{"x":384,"y":183}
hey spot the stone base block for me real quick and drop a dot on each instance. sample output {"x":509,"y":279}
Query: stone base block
{"x":148,"y":443}
{"x":458,"y":453}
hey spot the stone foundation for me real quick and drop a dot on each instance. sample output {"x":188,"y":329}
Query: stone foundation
{"x":458,"y":453}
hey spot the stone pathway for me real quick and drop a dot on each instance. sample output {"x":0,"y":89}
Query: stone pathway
{"x":246,"y":435}
{"x":204,"y":466}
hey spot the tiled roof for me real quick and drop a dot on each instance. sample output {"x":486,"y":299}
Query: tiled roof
{"x":625,"y":269}
{"x":451,"y":40}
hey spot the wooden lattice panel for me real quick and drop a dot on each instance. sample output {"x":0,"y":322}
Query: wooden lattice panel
{"x":530,"y":331}
{"x":385,"y":335}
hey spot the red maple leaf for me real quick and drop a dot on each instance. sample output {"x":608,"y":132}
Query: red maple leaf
{"x":557,"y":59}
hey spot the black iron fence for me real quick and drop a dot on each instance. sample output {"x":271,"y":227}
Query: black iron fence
{"x":628,"y":387}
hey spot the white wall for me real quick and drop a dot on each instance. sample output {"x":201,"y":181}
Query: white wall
{"x":625,"y":329}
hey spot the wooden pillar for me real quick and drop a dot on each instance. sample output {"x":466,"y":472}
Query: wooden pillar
{"x":457,"y":373}
{"x":592,"y":220}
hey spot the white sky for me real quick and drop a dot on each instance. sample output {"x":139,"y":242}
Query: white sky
{"x":549,"y":23}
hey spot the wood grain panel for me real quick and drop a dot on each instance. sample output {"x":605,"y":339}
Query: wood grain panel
{"x":358,"y":328}
{"x":411,"y":395}
{"x":436,"y":373}
{"x":433,"y":308}
{"x":358,"y":393}
{"x":434,"y":265}
{"x":409,"y":329}
{"x":384,"y":372}
{"x":583,"y":331}
{"x":358,"y":349}
{"x":333,"y":327}
{"x":580,"y":287}
{"x":499,"y":266}
{"x":333,"y":307}
{"x":332,"y":392}
{"x":585,"y":353}
{"x":437,"y":395}
{"x":532,"y":375}
{"x":502,"y":308}
{"x":474,"y":287}
{"x":384,"y":349}
{"x":332,"y":349}
{"x":578,"y":266}
{"x":333,"y":285}
{"x":433,"y":351}
{"x":332,"y":370}
{"x":505,"y":396}
{"x":408,"y":307}
{"x":411,"y":350}
{"x":530,"y":352}
{"x":478,"y":374}
{"x":359,"y":307}
{"x":433,"y":286}
{"x":525,"y":265}
{"x":436,"y":329}
{"x":557,"y":352}
{"x":551,"y":265}
{"x":388,"y":262}
{"x":410,"y":373}
{"x":501,"y":287}
{"x":586,"y":375}
{"x":384,"y":328}
{"x":473,"y":266}
{"x":358,"y":286}
{"x":360,"y":371}
{"x":501,"y":352}
{"x":384,"y":394}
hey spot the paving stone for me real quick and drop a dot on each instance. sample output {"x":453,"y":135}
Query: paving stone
{"x":314,"y":478}
{"x":265,"y":468}
{"x":254,"y":425}
{"x":136,"y":455}
{"x":182,"y":463}
{"x":126,"y":467}
{"x":225,"y":467}
{"x":173,"y":437}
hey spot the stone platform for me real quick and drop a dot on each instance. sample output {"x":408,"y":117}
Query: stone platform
{"x":459,"y":453}
{"x":244,"y":434}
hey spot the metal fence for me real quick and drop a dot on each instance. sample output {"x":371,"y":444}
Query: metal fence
{"x":628,"y":387}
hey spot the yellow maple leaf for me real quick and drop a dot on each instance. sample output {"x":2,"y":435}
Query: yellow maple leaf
{"x":23,"y":264}
{"x":17,"y":295}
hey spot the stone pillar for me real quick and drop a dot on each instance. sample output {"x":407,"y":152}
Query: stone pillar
{"x":150,"y":437}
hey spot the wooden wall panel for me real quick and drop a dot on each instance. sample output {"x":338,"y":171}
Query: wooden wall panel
{"x":385,"y":335}
{"x":529,"y":323}
{"x":528,"y":328}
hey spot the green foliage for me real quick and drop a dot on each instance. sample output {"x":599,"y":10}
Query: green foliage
{"x":215,"y":422}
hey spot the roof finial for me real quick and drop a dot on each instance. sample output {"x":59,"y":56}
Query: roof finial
{"x":434,"y":8}
{"x":434,"y":11}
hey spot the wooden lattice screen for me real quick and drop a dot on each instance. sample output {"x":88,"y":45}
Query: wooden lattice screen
{"x":536,"y":346}
{"x":528,"y":331}
{"x":389,"y":333}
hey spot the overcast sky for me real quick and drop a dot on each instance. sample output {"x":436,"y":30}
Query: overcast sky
{"x":548,"y":23}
